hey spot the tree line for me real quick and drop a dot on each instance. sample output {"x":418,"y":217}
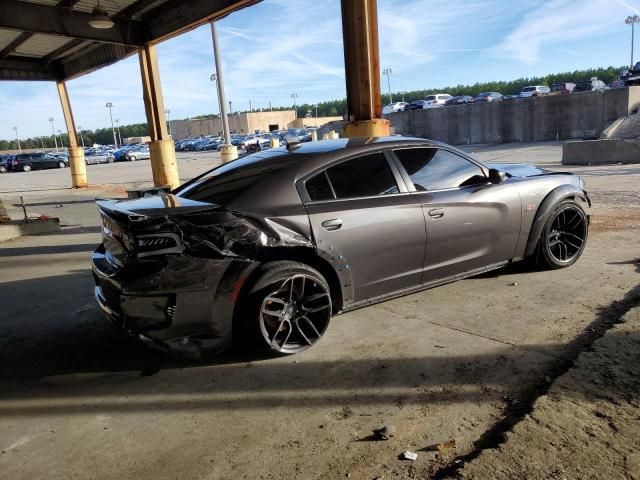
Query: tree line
{"x":104,"y":136}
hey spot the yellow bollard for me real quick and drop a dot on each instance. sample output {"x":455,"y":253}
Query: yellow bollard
{"x":367,"y":128}
{"x":78,"y":167}
{"x":163,"y":164}
{"x":228,"y":153}
{"x":275,"y":142}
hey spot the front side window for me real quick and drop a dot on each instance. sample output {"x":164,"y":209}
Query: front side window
{"x":365,"y":176}
{"x":436,"y":169}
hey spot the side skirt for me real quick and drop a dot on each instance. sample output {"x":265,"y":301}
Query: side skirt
{"x":426,"y":286}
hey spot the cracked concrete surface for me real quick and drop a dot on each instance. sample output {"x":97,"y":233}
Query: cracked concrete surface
{"x":78,"y":400}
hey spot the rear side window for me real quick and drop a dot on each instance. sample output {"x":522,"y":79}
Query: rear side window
{"x":435,"y":169}
{"x":366,"y":176}
{"x":318,"y":188}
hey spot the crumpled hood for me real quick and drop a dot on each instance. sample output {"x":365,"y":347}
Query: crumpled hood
{"x":519,"y":169}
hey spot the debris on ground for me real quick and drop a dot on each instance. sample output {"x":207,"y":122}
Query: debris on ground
{"x":385,"y":433}
{"x":439,"y":447}
{"x":409,"y":456}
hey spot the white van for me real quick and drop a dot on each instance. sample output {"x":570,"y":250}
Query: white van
{"x":534,"y":91}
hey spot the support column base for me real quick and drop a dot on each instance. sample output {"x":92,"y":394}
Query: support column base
{"x":163,"y":164}
{"x":275,"y":142}
{"x":378,"y":127}
{"x":228,"y":153}
{"x":78,"y":167}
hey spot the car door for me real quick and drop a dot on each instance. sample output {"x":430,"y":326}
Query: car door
{"x":470,"y":222}
{"x":364,"y":219}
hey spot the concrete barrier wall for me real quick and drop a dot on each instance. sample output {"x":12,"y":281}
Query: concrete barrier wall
{"x":563,"y":117}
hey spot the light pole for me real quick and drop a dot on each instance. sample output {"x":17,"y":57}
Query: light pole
{"x":167,"y":113}
{"x":61,"y":139}
{"x":220,"y":82}
{"x":250,"y":106}
{"x":109,"y":105}
{"x":230,"y":109}
{"x":53,"y":131}
{"x":42,"y":143}
{"x":270,"y":107}
{"x":81,"y":137}
{"x":295,"y":108}
{"x":214,"y":78}
{"x":15,"y":129}
{"x":632,"y":20}
{"x":388,"y":72}
{"x":316,"y":107}
{"x":118,"y":128}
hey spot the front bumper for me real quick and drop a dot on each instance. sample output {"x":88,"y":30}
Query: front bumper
{"x":178,"y":302}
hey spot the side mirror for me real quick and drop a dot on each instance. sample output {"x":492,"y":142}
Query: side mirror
{"x":496,"y":176}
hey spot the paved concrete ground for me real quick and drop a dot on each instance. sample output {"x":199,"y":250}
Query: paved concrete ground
{"x":78,"y":400}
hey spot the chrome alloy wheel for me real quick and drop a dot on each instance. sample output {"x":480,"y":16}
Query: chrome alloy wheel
{"x":296,"y":314}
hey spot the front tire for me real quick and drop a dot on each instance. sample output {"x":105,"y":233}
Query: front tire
{"x":62,"y":164}
{"x":288,"y":308}
{"x":563,"y":237}
{"x":132,"y":158}
{"x":26,"y":168}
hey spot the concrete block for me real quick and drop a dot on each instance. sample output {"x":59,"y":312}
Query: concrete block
{"x":17,"y":228}
{"x":601,"y":152}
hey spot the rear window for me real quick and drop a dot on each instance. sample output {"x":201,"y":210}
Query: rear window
{"x":224,"y":184}
{"x":318,"y":188}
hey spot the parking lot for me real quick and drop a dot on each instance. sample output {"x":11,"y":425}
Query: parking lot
{"x":80,"y":400}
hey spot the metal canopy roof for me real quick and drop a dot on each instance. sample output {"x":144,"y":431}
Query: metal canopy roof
{"x":52,"y":39}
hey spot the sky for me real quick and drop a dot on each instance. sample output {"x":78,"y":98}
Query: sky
{"x":280,"y":47}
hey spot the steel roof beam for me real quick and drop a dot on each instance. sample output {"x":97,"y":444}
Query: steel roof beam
{"x":36,"y":18}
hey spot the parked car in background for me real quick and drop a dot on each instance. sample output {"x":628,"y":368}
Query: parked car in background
{"x":511,"y":96}
{"x":487,"y":97}
{"x":437,"y":100}
{"x":562,"y":88}
{"x":98,"y":157}
{"x":619,"y":83}
{"x":459,"y":100}
{"x":37,"y":161}
{"x":534,"y":91}
{"x":631,"y":76}
{"x":415,"y":105}
{"x":5,"y":163}
{"x":394,"y":107}
{"x":139,"y":153}
{"x":118,"y":154}
{"x":590,"y":86}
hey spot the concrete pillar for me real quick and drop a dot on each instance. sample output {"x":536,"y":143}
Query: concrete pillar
{"x":164,"y":167}
{"x":76,"y":154}
{"x":314,"y":136}
{"x":362,"y":69}
{"x":275,"y":142}
{"x":228,"y":153}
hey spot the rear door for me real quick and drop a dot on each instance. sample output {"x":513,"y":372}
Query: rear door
{"x":364,"y":219}
{"x":470,"y":222}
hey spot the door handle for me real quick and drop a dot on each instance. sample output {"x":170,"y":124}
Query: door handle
{"x":436,"y":212}
{"x":333,"y":224}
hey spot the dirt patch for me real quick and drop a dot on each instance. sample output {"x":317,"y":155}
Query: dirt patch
{"x":615,"y":220}
{"x":586,"y":426}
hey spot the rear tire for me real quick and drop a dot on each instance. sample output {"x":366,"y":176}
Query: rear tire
{"x":62,"y":164}
{"x":564,"y":236}
{"x":132,"y":158}
{"x":287,"y":309}
{"x":26,"y":168}
{"x":3,"y":169}
{"x":110,"y":159}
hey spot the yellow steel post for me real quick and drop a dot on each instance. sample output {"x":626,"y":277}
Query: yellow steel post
{"x":362,"y":69}
{"x":76,"y":153}
{"x":164,"y":167}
